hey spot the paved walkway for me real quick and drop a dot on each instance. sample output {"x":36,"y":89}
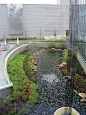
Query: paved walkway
{"x":3,"y":80}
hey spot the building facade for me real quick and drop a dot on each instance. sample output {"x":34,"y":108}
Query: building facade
{"x":30,"y":20}
{"x":63,"y":2}
{"x":78,"y":29}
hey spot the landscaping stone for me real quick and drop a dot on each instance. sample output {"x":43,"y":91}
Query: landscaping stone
{"x":67,"y":77}
{"x":62,"y":58}
{"x":52,"y":86}
{"x":37,"y":54}
{"x":35,"y":67}
{"x":83,"y":95}
{"x":64,"y":63}
{"x":35,"y":63}
{"x":83,"y":100}
{"x":53,"y":48}
{"x":61,"y":65}
{"x":35,"y":70}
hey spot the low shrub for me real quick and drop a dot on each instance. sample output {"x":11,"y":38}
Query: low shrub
{"x":51,"y":45}
{"x":24,"y":111}
{"x":23,"y":88}
{"x":62,"y":45}
{"x":60,"y":41}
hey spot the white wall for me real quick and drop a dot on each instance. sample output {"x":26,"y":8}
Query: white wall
{"x":49,"y":18}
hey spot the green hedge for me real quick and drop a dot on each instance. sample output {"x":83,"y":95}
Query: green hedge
{"x":53,"y":41}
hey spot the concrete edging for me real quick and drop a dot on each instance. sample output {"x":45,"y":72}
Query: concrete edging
{"x":7,"y":88}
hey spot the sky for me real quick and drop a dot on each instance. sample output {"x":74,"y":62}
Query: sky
{"x":29,"y":1}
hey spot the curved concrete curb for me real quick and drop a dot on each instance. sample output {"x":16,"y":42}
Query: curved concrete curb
{"x":7,"y":88}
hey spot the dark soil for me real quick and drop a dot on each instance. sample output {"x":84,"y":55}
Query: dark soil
{"x":25,"y":51}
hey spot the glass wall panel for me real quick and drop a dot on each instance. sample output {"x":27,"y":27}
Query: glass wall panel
{"x":78,"y":25}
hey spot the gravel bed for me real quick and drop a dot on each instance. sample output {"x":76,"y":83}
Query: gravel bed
{"x":52,"y":86}
{"x":43,"y":109}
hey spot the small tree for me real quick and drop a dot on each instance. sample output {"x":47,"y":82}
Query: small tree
{"x":54,"y":34}
{"x":25,"y":34}
{"x":40,"y":33}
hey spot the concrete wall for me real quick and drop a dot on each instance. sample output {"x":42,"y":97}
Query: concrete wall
{"x":15,"y":52}
{"x":63,"y":2}
{"x":3,"y":20}
{"x":38,"y":19}
{"x":46,"y":19}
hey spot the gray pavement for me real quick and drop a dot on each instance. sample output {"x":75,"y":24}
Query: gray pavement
{"x":3,"y":80}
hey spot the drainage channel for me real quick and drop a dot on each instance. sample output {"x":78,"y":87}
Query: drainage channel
{"x":52,"y":85}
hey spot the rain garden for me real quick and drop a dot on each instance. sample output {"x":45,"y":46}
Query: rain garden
{"x":39,"y":84}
